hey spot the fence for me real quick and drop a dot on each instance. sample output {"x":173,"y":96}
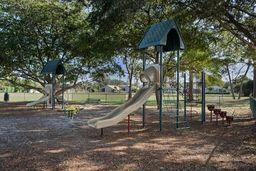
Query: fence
{"x":105,"y":98}
{"x":115,"y":98}
{"x":119,"y":98}
{"x":21,"y":97}
{"x":70,"y":97}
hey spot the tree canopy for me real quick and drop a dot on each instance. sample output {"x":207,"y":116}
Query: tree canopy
{"x":36,"y":32}
{"x":89,"y":35}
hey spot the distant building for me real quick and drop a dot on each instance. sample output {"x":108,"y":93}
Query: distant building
{"x":33,"y":91}
{"x":124,"y":88}
{"x":110,"y":89}
{"x":216,"y":89}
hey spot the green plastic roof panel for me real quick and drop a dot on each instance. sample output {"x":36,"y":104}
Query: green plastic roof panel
{"x":166,"y":34}
{"x":54,"y":67}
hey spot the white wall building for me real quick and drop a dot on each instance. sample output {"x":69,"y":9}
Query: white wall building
{"x":110,"y":89}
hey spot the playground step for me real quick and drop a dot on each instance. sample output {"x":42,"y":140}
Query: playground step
{"x":180,"y":128}
{"x":175,"y":116}
{"x":182,"y":122}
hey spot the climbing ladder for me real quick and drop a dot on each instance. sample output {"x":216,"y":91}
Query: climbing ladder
{"x":179,"y":121}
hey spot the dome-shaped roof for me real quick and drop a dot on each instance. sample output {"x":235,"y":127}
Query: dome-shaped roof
{"x":166,"y":34}
{"x":54,"y":67}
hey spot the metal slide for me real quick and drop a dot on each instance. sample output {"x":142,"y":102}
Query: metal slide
{"x":41,"y":100}
{"x":45,"y":98}
{"x":149,"y":76}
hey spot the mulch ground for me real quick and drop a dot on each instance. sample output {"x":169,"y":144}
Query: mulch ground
{"x":41,"y":139}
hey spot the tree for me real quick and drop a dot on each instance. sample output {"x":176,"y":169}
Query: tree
{"x":251,"y":55}
{"x":133,"y":68}
{"x":36,"y":32}
{"x":130,"y":20}
{"x":236,"y":17}
{"x":248,"y":88}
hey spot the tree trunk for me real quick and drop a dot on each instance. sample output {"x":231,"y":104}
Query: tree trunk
{"x":130,"y":70}
{"x":254,"y":81}
{"x":230,"y":83}
{"x":130,"y":85}
{"x":191,"y":83}
{"x":242,"y":81}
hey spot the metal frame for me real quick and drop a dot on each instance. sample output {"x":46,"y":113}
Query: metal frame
{"x":53,"y":90}
{"x":203,"y":98}
{"x":160,"y":50}
{"x":144,"y":106}
{"x":157,"y":35}
{"x":177,"y":89}
{"x":51,"y":68}
{"x":185,"y":99}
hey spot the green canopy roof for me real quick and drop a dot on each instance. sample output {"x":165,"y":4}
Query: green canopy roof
{"x":166,"y":34}
{"x":54,"y":67}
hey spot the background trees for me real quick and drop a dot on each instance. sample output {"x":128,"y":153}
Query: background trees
{"x":36,"y":32}
{"x":89,"y":35}
{"x":228,"y":25}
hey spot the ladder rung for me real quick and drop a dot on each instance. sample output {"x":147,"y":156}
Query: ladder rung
{"x":187,"y":127}
{"x":175,"y":116}
{"x":180,"y":122}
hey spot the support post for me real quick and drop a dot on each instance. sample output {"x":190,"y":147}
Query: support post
{"x":185,"y":99}
{"x":53,"y":91}
{"x":211,"y":116}
{"x":101,"y":132}
{"x":128,"y":125}
{"x":178,"y":88}
{"x":144,"y":106}
{"x":203,"y":99}
{"x":63,"y":86}
{"x":254,"y":81}
{"x":217,"y":118}
{"x":160,"y":50}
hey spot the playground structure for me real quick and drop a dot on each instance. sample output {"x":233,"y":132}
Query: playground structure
{"x":164,"y":36}
{"x":53,"y":68}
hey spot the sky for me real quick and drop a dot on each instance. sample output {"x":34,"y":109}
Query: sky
{"x":233,"y":70}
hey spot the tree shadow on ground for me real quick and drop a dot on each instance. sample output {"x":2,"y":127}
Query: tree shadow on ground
{"x":47,"y":140}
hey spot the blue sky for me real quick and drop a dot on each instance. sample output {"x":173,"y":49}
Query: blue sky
{"x":225,"y":77}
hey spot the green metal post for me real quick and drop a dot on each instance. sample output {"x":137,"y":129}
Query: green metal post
{"x":203,"y":99}
{"x":161,"y":88}
{"x":63,"y":86}
{"x":144,"y":106}
{"x":178,"y":88}
{"x":185,"y":99}
{"x":53,"y":91}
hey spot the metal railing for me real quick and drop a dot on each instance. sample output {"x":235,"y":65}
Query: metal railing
{"x":118,"y":98}
{"x":70,"y":97}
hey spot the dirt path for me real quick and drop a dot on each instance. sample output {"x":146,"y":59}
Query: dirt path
{"x":36,"y":139}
